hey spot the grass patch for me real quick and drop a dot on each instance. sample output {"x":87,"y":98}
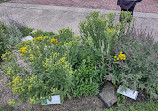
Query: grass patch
{"x":1,"y":1}
{"x":147,"y":106}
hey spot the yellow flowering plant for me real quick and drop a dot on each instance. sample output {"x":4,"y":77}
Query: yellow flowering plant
{"x":121,"y":56}
{"x":12,"y":102}
{"x":49,"y":65}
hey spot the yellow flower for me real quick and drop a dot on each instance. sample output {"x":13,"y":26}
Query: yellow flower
{"x":62,"y":59}
{"x":53,"y":40}
{"x":22,"y":54}
{"x":23,"y":49}
{"x":53,"y":90}
{"x":38,"y":38}
{"x":11,"y":102}
{"x":45,"y":37}
{"x":32,"y":101}
{"x":120,"y":56}
{"x":16,"y":80}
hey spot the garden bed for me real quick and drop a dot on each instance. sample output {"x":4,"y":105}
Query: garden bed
{"x":76,"y":66}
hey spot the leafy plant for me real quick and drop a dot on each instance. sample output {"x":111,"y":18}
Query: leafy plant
{"x":86,"y":79}
{"x":145,"y":106}
{"x":21,"y":26}
{"x":2,"y":43}
{"x":120,"y":100}
{"x":41,"y":33}
{"x":139,"y":68}
{"x":11,"y":34}
{"x":52,"y":73}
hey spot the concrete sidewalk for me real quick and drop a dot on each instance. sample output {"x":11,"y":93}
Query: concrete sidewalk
{"x":145,"y":6}
{"x":53,"y":18}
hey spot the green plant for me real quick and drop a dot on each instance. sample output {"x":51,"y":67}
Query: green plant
{"x":11,"y":34}
{"x":139,"y":68}
{"x":120,"y":100}
{"x":41,"y":33}
{"x":125,"y":17}
{"x":65,"y":35}
{"x":21,"y":27}
{"x":142,"y":106}
{"x":86,"y":79}
{"x":52,"y":73}
{"x":101,"y":30}
{"x":3,"y":41}
{"x":3,"y":109}
{"x":1,"y":1}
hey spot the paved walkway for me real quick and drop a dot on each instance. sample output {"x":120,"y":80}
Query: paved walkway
{"x":54,"y":18}
{"x":147,"y":6}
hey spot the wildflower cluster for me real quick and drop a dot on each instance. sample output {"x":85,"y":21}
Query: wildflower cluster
{"x":21,"y":86}
{"x":38,"y":38}
{"x":54,"y":41}
{"x":121,"y":56}
{"x":23,"y":50}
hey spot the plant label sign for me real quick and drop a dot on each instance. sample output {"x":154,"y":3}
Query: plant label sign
{"x":55,"y":100}
{"x":128,"y":92}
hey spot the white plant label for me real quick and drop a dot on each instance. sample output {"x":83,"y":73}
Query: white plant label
{"x":55,"y":100}
{"x":128,"y":92}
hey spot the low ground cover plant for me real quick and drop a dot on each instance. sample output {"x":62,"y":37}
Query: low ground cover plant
{"x":1,"y":1}
{"x":75,"y":66}
{"x":11,"y":34}
{"x":145,"y":106}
